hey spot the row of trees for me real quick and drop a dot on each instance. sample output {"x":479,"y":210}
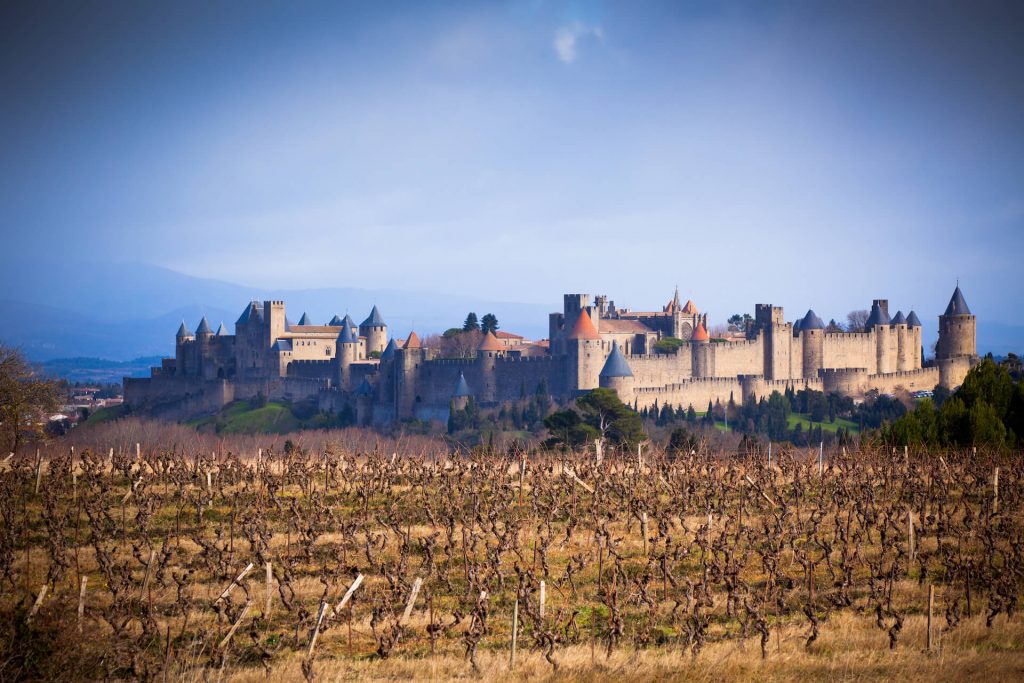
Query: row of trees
{"x":987,"y":409}
{"x":489,"y":323}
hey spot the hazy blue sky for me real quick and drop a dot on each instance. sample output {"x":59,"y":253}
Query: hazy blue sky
{"x":806,"y":154}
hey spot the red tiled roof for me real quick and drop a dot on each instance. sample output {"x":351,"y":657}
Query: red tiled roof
{"x":584,"y":328}
{"x":413,"y":342}
{"x":700,"y":333}
{"x":490,"y":343}
{"x":507,"y":335}
{"x":689,"y":307}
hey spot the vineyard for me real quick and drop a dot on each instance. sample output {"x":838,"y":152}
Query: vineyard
{"x":134,"y":562}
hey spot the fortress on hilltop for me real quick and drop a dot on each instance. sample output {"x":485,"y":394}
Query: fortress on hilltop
{"x":590,"y":345}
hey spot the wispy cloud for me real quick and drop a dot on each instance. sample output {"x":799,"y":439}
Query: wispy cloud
{"x":567,"y":38}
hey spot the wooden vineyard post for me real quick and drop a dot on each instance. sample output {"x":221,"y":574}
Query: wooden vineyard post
{"x":234,"y":627}
{"x":643,"y":529}
{"x":515,"y":630}
{"x":316,"y":629}
{"x":149,"y":572}
{"x":910,"y":539}
{"x":270,"y":594}
{"x":231,"y":586}
{"x":412,"y":600}
{"x":995,"y":491}
{"x":543,"y":595}
{"x":81,"y":602}
{"x":348,"y":594}
{"x":931,"y":607}
{"x":37,"y":604}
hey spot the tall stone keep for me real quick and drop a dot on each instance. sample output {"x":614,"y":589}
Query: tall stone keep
{"x":956,"y":351}
{"x":375,"y":330}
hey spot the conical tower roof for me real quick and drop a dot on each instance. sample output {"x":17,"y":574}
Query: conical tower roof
{"x":347,"y":335}
{"x":222,"y":331}
{"x":690,"y":308}
{"x":413,"y":342}
{"x":898,"y":319}
{"x":204,"y":327}
{"x":375,"y":319}
{"x":616,"y":365}
{"x":250,"y":314}
{"x":336,"y":321}
{"x":389,"y":350}
{"x":913,"y":320}
{"x":183,"y":331}
{"x":811,"y":321}
{"x":348,"y":321}
{"x":700,"y":333}
{"x":462,"y":387}
{"x":490,"y":343}
{"x":877,"y":317}
{"x":957,"y":304}
{"x":584,"y":328}
{"x":305,"y":319}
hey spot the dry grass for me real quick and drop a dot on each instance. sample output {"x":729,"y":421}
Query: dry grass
{"x":850,"y":646}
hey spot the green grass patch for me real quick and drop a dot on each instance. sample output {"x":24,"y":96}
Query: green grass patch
{"x":108,"y":414}
{"x":826,"y":426}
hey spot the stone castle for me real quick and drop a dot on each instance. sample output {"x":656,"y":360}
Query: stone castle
{"x":591,"y":344}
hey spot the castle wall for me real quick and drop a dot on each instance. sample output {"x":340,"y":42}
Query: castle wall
{"x":851,"y":350}
{"x":911,"y":380}
{"x":732,"y":358}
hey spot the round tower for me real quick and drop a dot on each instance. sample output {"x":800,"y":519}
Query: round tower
{"x":812,"y":340}
{"x":487,"y":355}
{"x":878,"y":324}
{"x":347,"y":352}
{"x":180,"y":356}
{"x":375,"y":330}
{"x":904,"y":355}
{"x":700,"y":347}
{"x":956,"y":351}
{"x":460,"y":397}
{"x":914,"y":335}
{"x":617,"y":375}
{"x":586,"y":354}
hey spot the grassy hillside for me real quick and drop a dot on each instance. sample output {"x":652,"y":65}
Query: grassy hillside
{"x":275,"y":417}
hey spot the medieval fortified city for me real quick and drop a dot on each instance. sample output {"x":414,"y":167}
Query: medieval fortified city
{"x":529,"y":341}
{"x":591,"y":344}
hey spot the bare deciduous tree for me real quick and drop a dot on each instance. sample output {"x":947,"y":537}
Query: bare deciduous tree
{"x":856,"y":320}
{"x":24,"y":398}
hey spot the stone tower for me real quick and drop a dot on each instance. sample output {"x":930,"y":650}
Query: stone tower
{"x":880,"y":324}
{"x":460,"y":397}
{"x":700,"y":347}
{"x":585,"y":352}
{"x":180,"y":349}
{"x":617,"y":375}
{"x":347,"y":354}
{"x":486,"y":359}
{"x":812,"y":339}
{"x":956,"y":351}
{"x":778,"y":337}
{"x":375,"y":330}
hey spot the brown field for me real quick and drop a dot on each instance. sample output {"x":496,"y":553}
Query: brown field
{"x":709,"y":567}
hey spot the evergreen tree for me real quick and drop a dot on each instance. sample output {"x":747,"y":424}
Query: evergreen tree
{"x":489,"y":323}
{"x":471,"y":323}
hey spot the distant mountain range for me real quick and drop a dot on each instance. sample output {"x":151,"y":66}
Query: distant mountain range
{"x":127,"y":311}
{"x":131,"y":310}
